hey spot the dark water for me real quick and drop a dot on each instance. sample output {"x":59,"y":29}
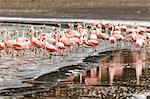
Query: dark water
{"x":124,"y":74}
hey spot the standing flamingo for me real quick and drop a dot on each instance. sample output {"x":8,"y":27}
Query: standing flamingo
{"x":12,"y":44}
{"x":49,"y":47}
{"x":34,"y":41}
{"x":93,"y":35}
{"x":2,"y":47}
{"x":23,"y":41}
{"x":60,"y":45}
{"x":92,"y":43}
{"x":67,"y":42}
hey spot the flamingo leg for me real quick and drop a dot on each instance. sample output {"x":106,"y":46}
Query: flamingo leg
{"x":95,"y":49}
{"x":44,"y":52}
{"x":12,"y":52}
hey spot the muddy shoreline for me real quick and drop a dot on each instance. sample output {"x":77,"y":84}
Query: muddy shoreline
{"x":42,"y":83}
{"x":91,"y":9}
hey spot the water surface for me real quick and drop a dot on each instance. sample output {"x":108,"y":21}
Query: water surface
{"x":119,"y":75}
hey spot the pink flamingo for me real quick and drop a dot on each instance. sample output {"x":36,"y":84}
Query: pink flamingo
{"x":139,"y":42}
{"x":92,"y":43}
{"x":2,"y":47}
{"x":101,"y":35}
{"x":112,"y":39}
{"x":67,"y":42}
{"x":34,"y":41}
{"x":23,"y":40}
{"x":93,"y":35}
{"x":104,"y":36}
{"x":49,"y":47}
{"x":50,"y":38}
{"x":12,"y":44}
{"x":60,"y":45}
{"x":118,"y":36}
{"x":77,"y":41}
{"x":133,"y":36}
{"x":74,"y":33}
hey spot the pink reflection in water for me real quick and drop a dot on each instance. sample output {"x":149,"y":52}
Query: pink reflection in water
{"x":111,"y":68}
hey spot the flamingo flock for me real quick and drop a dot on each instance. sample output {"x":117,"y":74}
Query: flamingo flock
{"x":74,"y":36}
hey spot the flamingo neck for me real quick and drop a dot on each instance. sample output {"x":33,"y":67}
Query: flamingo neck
{"x":5,"y":36}
{"x":17,"y":37}
{"x":23,"y":33}
{"x":31,"y":35}
{"x":111,"y":32}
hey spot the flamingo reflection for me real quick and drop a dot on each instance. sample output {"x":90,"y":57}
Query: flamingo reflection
{"x":112,"y":68}
{"x":93,"y":78}
{"x":139,"y":64}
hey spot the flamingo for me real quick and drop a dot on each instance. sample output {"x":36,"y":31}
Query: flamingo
{"x":34,"y":41}
{"x":23,"y":40}
{"x":112,"y":39}
{"x":76,"y":40}
{"x":139,"y":42}
{"x":93,"y":35}
{"x":2,"y":47}
{"x":67,"y":42}
{"x":74,"y":33}
{"x":99,"y":33}
{"x":119,"y":36}
{"x":104,"y":36}
{"x":49,"y":47}
{"x":92,"y":43}
{"x":12,"y":44}
{"x":133,"y":36}
{"x":60,"y":45}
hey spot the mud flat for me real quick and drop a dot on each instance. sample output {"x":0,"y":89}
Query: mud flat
{"x":91,"y":9}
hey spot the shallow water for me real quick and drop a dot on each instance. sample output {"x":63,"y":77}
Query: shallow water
{"x":124,"y":74}
{"x":120,"y":75}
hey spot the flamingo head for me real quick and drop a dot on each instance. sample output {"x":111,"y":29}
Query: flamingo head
{"x":4,"y":30}
{"x":135,"y":26}
{"x":79,"y":27}
{"x":16,"y":33}
{"x":117,"y":28}
{"x":142,"y":30}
